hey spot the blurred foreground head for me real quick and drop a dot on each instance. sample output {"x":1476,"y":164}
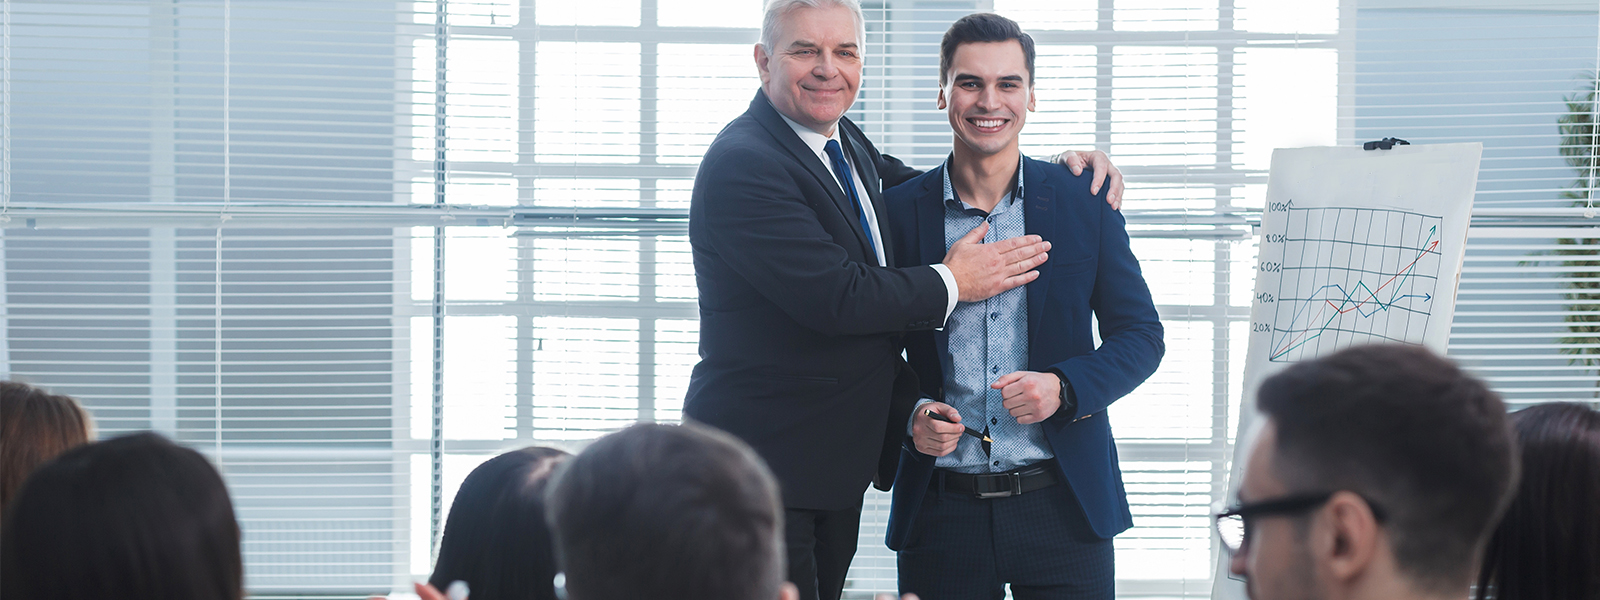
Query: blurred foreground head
{"x":35,"y":426}
{"x":1548,"y":545}
{"x":496,"y":539}
{"x":668,"y":512}
{"x":132,"y":518}
{"x":1378,"y":471}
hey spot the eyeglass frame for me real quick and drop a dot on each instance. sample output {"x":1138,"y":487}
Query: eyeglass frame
{"x":1284,"y":505}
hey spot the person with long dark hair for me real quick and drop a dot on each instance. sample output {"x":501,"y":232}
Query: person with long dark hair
{"x":134,"y":518}
{"x":35,"y":426}
{"x":496,"y":538}
{"x":1548,"y":545}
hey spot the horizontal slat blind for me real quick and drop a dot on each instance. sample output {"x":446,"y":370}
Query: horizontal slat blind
{"x":1507,"y":78}
{"x":283,"y":371}
{"x":1527,"y":313}
{"x":220,"y":223}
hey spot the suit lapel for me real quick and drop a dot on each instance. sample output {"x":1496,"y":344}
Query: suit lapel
{"x":769,"y":118}
{"x":1039,"y":219}
{"x":930,"y":242}
{"x":930,"y":217}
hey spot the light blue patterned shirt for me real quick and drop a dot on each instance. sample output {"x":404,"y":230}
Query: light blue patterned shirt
{"x":987,"y":339}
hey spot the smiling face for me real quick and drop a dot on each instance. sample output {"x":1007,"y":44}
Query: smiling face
{"x":814,"y":68}
{"x":988,"y":95}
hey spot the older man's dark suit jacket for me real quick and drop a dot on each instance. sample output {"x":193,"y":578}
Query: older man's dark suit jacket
{"x":800,"y":330}
{"x":1091,"y":269}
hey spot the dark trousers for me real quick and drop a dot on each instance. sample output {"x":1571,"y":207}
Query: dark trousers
{"x":820,"y":544}
{"x":964,"y":548}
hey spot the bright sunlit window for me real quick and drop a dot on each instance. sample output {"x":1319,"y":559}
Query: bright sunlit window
{"x":274,"y":229}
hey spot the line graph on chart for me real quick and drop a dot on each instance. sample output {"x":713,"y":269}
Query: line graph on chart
{"x":1353,"y":276}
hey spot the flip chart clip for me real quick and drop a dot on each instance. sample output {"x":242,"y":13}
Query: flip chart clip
{"x":1384,"y":144}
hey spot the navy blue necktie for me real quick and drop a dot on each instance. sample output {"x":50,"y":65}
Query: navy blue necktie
{"x":842,"y":167}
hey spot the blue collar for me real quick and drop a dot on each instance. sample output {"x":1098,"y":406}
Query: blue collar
{"x":950,"y":190}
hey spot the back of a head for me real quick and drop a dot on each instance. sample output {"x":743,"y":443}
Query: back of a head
{"x":1427,"y":443}
{"x":35,"y":426}
{"x":496,"y":538}
{"x":668,"y":512}
{"x":133,"y":518}
{"x":1548,"y":545}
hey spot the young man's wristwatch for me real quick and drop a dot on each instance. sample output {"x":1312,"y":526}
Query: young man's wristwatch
{"x":1069,"y":401}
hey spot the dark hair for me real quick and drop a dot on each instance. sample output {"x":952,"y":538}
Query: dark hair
{"x":1411,"y":432}
{"x":35,"y":426}
{"x":1548,"y":545}
{"x":669,"y":512}
{"x":133,"y":518}
{"x":496,"y":538}
{"x":978,"y":28}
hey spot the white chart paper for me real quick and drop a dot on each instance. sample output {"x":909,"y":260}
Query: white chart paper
{"x":1357,"y":247}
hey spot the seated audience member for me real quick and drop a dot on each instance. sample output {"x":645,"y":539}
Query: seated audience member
{"x":670,"y":513}
{"x":35,"y":426}
{"x":496,"y":539}
{"x":1376,"y":472}
{"x":1548,"y":545}
{"x":132,"y":518}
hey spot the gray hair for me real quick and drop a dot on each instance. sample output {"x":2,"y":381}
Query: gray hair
{"x":778,"y":9}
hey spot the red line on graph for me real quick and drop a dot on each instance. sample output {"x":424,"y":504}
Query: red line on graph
{"x":1374,"y":295}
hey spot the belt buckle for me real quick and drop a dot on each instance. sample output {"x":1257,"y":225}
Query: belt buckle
{"x":1015,"y":479}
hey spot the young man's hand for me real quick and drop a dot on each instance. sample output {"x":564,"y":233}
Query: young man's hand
{"x":932,"y":436}
{"x":1031,"y":396}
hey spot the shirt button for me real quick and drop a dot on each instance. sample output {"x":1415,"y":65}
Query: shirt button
{"x":994,"y":421}
{"x":993,"y":316}
{"x":997,"y":463}
{"x":990,"y":218}
{"x":994,"y":369}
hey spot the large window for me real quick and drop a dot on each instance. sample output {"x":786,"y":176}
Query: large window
{"x":350,"y":250}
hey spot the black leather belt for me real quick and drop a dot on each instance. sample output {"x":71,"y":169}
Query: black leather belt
{"x":1033,"y":477}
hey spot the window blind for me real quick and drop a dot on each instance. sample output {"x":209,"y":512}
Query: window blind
{"x":223,"y":221}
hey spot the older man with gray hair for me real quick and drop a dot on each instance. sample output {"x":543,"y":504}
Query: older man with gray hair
{"x":800,"y":316}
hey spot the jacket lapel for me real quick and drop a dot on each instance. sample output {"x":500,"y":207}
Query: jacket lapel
{"x":930,"y":243}
{"x":769,"y":118}
{"x":930,"y":218}
{"x":1039,"y":219}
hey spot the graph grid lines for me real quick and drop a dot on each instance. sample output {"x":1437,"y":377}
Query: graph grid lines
{"x":1353,"y":276}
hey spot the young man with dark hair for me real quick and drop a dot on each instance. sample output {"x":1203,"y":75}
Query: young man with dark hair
{"x":668,"y":512}
{"x":1377,"y":473}
{"x":1037,"y":504}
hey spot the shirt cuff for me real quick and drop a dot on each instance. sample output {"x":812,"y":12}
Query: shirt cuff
{"x":914,"y":412}
{"x":951,"y":293}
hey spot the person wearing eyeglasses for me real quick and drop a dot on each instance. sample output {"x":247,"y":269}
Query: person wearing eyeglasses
{"x":1376,"y":472}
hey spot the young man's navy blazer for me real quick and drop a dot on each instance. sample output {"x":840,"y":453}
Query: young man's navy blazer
{"x":1091,"y":268}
